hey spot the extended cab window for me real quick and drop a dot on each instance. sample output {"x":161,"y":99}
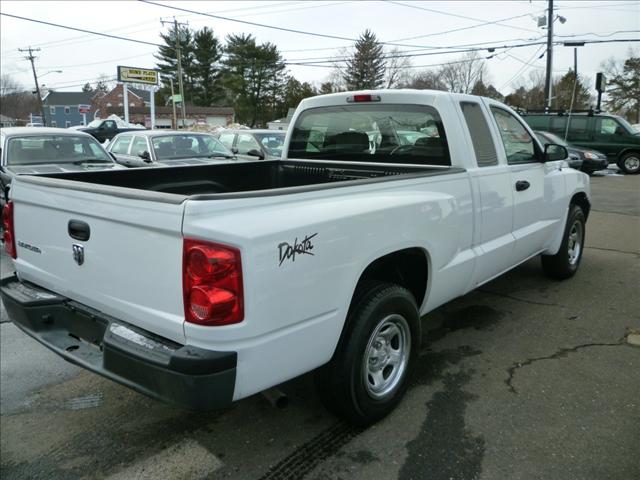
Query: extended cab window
{"x":518,"y":144}
{"x":481,"y":138}
{"x":381,"y":133}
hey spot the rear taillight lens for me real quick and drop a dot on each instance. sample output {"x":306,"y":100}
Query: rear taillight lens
{"x":8,"y":234}
{"x":212,"y":283}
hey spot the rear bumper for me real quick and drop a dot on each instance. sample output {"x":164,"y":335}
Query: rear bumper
{"x":183,"y":375}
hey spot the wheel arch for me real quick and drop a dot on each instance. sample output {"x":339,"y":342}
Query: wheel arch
{"x":580,"y":199}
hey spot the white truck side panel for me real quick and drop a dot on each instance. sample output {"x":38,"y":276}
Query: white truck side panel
{"x":288,"y":304}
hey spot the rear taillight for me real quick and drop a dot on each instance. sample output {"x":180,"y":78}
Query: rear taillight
{"x":212,"y":283}
{"x":8,"y":234}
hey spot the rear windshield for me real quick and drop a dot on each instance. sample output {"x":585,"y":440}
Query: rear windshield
{"x":174,"y":147}
{"x":381,"y":133}
{"x":39,"y":149}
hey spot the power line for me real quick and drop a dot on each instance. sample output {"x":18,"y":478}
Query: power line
{"x":117,"y":37}
{"x":484,"y":22}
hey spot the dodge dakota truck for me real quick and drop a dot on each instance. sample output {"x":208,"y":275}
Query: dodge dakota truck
{"x":202,"y":285}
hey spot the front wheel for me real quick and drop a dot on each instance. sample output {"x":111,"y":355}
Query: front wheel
{"x":565,"y":263}
{"x":369,"y":372}
{"x":629,"y":163}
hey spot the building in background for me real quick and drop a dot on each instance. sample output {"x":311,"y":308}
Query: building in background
{"x":61,"y":108}
{"x":202,"y":116}
{"x":281,"y":123}
{"x":114,"y":99}
{"x":7,"y":121}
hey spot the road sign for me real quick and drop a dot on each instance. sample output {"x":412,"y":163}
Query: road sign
{"x":137,"y":75}
{"x":84,"y":108}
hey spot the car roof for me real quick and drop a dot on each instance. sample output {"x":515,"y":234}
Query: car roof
{"x":161,"y":133}
{"x":37,"y":131}
{"x":252,"y":130}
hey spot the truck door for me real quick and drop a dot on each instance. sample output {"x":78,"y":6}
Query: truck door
{"x":493,"y":196}
{"x":538,"y":187}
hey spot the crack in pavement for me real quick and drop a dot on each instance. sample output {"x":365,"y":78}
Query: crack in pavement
{"x":531,"y":302}
{"x":614,"y":250}
{"x":563,"y":352}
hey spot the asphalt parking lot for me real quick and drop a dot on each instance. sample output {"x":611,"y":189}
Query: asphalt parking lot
{"x":525,"y":378}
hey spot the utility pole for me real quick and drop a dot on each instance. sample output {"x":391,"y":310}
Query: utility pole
{"x":179,"y":58}
{"x":31,"y":58}
{"x":548,"y":79}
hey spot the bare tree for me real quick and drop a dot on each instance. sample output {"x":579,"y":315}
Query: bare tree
{"x":461,"y":75}
{"x":398,"y":72}
{"x":425,"y":80}
{"x":15,"y":101}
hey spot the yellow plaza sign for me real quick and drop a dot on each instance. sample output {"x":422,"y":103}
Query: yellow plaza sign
{"x":137,"y":75}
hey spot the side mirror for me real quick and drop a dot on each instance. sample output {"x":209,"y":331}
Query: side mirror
{"x":145,"y":156}
{"x":255,"y":153}
{"x":553,"y":152}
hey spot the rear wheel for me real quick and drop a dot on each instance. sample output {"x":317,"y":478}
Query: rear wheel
{"x":369,"y":372}
{"x":565,"y":263}
{"x":630,"y":163}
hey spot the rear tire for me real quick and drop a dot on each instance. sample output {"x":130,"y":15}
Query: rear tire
{"x":565,"y":263}
{"x":370,"y":369}
{"x":629,"y":163}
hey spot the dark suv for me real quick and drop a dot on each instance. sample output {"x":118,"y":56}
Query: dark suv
{"x":609,"y":134}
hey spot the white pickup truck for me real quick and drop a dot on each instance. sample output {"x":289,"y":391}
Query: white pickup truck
{"x":201,"y":285}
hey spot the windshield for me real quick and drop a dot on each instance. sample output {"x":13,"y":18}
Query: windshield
{"x":173,"y":147}
{"x":547,"y":137}
{"x":38,"y":149}
{"x":272,"y":142}
{"x":381,"y":133}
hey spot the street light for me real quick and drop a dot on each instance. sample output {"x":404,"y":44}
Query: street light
{"x":50,"y":71}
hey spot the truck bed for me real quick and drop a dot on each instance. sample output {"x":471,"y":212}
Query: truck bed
{"x":235,"y":180}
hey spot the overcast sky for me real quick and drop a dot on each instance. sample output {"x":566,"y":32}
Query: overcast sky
{"x":422,"y":26}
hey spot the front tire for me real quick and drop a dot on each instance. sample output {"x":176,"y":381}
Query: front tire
{"x":629,"y":163}
{"x":565,"y":263}
{"x":369,"y":372}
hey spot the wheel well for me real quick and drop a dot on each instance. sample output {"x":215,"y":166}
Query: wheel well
{"x":582,"y":201}
{"x":626,"y":151}
{"x":407,"y":268}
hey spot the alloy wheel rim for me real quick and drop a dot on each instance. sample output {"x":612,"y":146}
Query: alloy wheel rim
{"x":574,"y":245}
{"x":386,"y":356}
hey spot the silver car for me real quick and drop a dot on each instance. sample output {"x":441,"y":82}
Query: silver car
{"x":152,"y":148}
{"x":33,"y":150}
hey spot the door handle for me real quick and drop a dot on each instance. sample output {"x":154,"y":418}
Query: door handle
{"x":79,"y":230}
{"x":522,"y":185}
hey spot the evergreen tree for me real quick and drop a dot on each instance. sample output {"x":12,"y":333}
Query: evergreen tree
{"x":623,"y":89}
{"x":87,"y":88}
{"x":253,"y":77}
{"x":207,"y":53}
{"x":366,"y":68}
{"x":563,"y":89}
{"x":168,"y":62}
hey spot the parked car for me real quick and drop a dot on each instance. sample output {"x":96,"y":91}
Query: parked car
{"x":106,"y":129}
{"x":582,"y":159}
{"x":153,"y":148}
{"x":201,"y":285}
{"x":33,"y":150}
{"x":609,"y":134}
{"x":253,"y":144}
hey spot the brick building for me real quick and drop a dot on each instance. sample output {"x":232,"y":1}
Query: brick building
{"x":115,"y":99}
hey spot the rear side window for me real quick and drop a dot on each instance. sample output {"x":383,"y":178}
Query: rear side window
{"x":480,"y":134}
{"x":227,"y":139}
{"x":578,"y":125}
{"x":139,"y":146}
{"x":121,"y":145}
{"x":380,"y":133}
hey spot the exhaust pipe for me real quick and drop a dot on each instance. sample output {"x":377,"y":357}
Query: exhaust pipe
{"x":276,"y":397}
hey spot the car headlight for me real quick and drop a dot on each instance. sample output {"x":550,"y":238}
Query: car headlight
{"x":590,"y":155}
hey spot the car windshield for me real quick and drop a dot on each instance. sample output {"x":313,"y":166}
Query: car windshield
{"x":39,"y":149}
{"x":381,"y":133}
{"x":173,"y":147}
{"x":272,"y":142}
{"x":547,"y":137}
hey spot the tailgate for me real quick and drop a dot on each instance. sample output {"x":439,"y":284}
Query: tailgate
{"x":132,"y":260}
